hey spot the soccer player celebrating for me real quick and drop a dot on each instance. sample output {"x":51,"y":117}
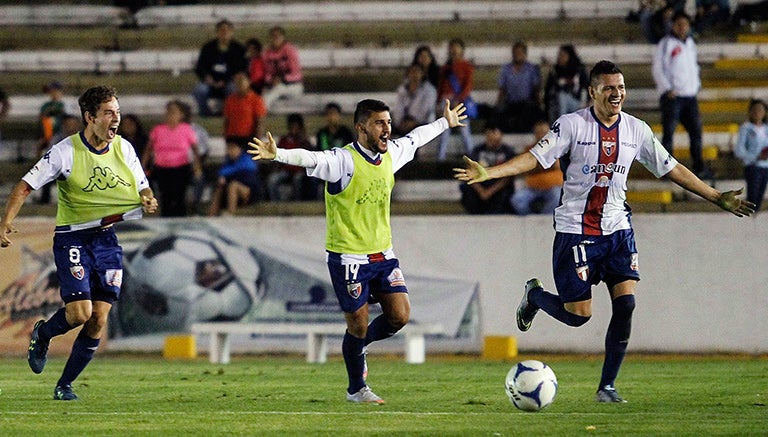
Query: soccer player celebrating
{"x":100,"y":181}
{"x":594,"y":240}
{"x":363,"y":267}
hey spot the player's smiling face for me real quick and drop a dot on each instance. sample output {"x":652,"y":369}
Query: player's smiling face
{"x":374,"y":132}
{"x":608,"y":95}
{"x":105,"y":122}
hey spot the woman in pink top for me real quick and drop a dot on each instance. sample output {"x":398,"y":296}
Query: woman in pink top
{"x":172,"y":151}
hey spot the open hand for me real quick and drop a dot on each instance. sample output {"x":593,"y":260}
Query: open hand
{"x":263,"y":150}
{"x":456,"y":115}
{"x":730,"y":202}
{"x":473,"y":173}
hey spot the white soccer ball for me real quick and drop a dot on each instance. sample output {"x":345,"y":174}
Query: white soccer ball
{"x":531,"y":385}
{"x":186,"y":277}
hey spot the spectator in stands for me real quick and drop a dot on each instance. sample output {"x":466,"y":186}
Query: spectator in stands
{"x":567,"y":82}
{"x":132,"y":129}
{"x":518,"y":104}
{"x":283,"y":76}
{"x":203,"y":150}
{"x":424,"y":58}
{"x":455,"y":85}
{"x":219,"y":60}
{"x":676,"y":73}
{"x":172,"y":150}
{"x":244,"y":110}
{"x":540,"y":193}
{"x":490,"y":197}
{"x":237,"y":182}
{"x":710,"y":13}
{"x":51,"y":115}
{"x":5,"y":107}
{"x":752,"y":148}
{"x":256,"y":67}
{"x":334,"y":133}
{"x":415,"y":103}
{"x":290,"y":182}
{"x":655,"y":17}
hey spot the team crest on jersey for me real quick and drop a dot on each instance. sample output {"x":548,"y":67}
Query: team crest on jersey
{"x":354,"y":290}
{"x":583,"y":272}
{"x":633,"y":263}
{"x":114,"y":277}
{"x":77,"y":271}
{"x":396,"y":278}
{"x":608,"y":147}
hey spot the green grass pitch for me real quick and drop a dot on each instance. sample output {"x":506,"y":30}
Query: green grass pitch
{"x":446,"y":396}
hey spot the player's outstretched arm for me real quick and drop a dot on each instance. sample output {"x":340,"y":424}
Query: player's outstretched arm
{"x":455,"y":116}
{"x":261,"y":150}
{"x":474,"y":172}
{"x":728,"y":201}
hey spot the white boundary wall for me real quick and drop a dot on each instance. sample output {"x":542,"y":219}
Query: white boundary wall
{"x":703,"y":287}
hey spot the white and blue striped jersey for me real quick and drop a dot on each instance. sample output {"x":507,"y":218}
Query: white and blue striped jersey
{"x":595,"y":160}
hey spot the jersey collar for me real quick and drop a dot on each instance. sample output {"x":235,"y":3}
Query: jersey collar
{"x":372,"y":157}
{"x":616,"y":123}
{"x":90,"y":147}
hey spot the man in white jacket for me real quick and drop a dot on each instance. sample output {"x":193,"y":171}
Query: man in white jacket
{"x":676,"y":72}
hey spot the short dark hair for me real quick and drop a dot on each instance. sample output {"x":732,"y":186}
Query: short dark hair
{"x":224,"y":22}
{"x":601,"y":68}
{"x":681,"y":14}
{"x":366,"y":107}
{"x":93,"y":97}
{"x":255,"y":42}
{"x":295,"y":118}
{"x":333,"y":105}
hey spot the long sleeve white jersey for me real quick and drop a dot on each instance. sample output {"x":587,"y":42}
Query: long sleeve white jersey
{"x":336,"y":165}
{"x":595,"y":160}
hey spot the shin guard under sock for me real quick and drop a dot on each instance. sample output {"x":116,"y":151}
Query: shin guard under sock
{"x":617,"y":338}
{"x":354,"y":360}
{"x":82,"y":353}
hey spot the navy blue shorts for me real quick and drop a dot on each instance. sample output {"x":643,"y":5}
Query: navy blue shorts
{"x":355,"y":283}
{"x":89,"y":265}
{"x":580,"y":261}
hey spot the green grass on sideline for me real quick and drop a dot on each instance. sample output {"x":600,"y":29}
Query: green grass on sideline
{"x":461,"y":396}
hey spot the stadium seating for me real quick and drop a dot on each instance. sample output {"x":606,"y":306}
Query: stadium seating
{"x":732,"y":72}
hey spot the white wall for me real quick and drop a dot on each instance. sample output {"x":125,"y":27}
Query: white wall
{"x":703,"y":287}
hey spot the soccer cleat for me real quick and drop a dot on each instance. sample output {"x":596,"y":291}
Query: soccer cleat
{"x":609,"y":394}
{"x":526,"y":311}
{"x":37,"y":355}
{"x":366,"y":396}
{"x":64,"y":393}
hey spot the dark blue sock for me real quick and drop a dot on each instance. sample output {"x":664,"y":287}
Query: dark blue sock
{"x":56,"y":325}
{"x":379,"y":329}
{"x":354,"y":359}
{"x":82,"y":353}
{"x":617,"y":338}
{"x":552,"y":305}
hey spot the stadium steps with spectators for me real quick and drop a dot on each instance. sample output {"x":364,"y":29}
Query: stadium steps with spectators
{"x":372,"y":64}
